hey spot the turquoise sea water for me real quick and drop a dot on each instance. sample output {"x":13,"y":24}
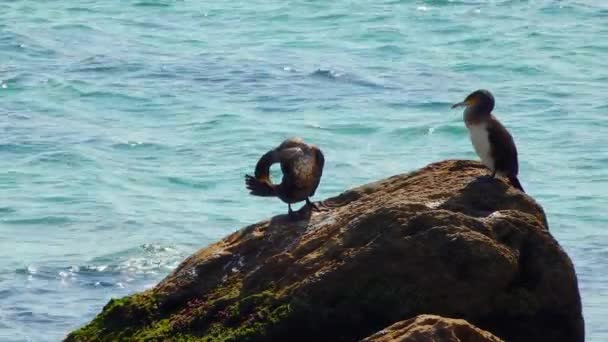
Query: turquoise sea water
{"x":126,"y":126}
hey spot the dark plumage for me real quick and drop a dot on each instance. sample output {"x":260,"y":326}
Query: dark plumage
{"x":302,"y":167}
{"x":491,"y":140}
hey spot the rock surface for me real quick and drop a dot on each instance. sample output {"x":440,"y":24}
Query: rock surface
{"x":440,"y":240}
{"x":425,"y":328}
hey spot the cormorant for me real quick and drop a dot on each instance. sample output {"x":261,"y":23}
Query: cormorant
{"x":491,"y":140}
{"x":302,"y":167}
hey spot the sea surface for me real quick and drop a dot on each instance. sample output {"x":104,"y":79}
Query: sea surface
{"x":126,"y":127}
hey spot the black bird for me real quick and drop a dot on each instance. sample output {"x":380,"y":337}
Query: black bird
{"x":302,"y":167}
{"x":491,"y":140}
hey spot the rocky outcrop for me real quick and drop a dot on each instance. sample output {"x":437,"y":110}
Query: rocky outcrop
{"x":425,"y":328}
{"x":441,"y":240}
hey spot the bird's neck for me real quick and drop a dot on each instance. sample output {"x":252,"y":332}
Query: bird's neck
{"x":476,"y":115}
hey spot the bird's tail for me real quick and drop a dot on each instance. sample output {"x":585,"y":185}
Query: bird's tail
{"x":515,"y":182}
{"x":259,"y":187}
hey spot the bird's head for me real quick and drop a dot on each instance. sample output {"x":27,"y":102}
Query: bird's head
{"x":480,"y":101}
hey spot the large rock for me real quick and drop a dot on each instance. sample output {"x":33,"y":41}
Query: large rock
{"x":425,"y":328}
{"x":440,"y":240}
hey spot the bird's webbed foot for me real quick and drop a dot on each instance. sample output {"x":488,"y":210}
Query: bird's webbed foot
{"x":312,"y":205}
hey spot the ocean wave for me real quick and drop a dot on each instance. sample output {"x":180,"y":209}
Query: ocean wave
{"x":60,"y":157}
{"x":146,"y":262}
{"x":12,"y":41}
{"x":24,"y":147}
{"x":153,"y":4}
{"x":190,"y":183}
{"x":390,"y":49}
{"x":338,"y":76}
{"x":7,"y":210}
{"x":456,"y":130}
{"x":44,"y":220}
{"x":103,"y":64}
{"x":438,"y":105}
{"x":326,"y":73}
{"x":72,"y":27}
{"x":352,"y":129}
{"x":139,"y":145}
{"x":113,"y":95}
{"x":330,"y":17}
{"x":413,"y":131}
{"x":80,"y":9}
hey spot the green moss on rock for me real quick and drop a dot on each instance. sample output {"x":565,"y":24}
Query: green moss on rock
{"x":119,"y":318}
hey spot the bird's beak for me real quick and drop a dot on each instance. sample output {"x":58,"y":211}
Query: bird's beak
{"x":461,"y":104}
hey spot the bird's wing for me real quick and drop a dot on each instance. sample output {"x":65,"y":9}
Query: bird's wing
{"x":504,"y":151}
{"x":318,"y":170}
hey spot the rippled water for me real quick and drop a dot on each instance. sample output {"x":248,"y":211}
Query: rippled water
{"x":126,"y":126}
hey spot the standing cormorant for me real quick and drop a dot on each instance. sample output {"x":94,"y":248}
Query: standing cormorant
{"x":302,"y":167}
{"x":491,"y":140}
